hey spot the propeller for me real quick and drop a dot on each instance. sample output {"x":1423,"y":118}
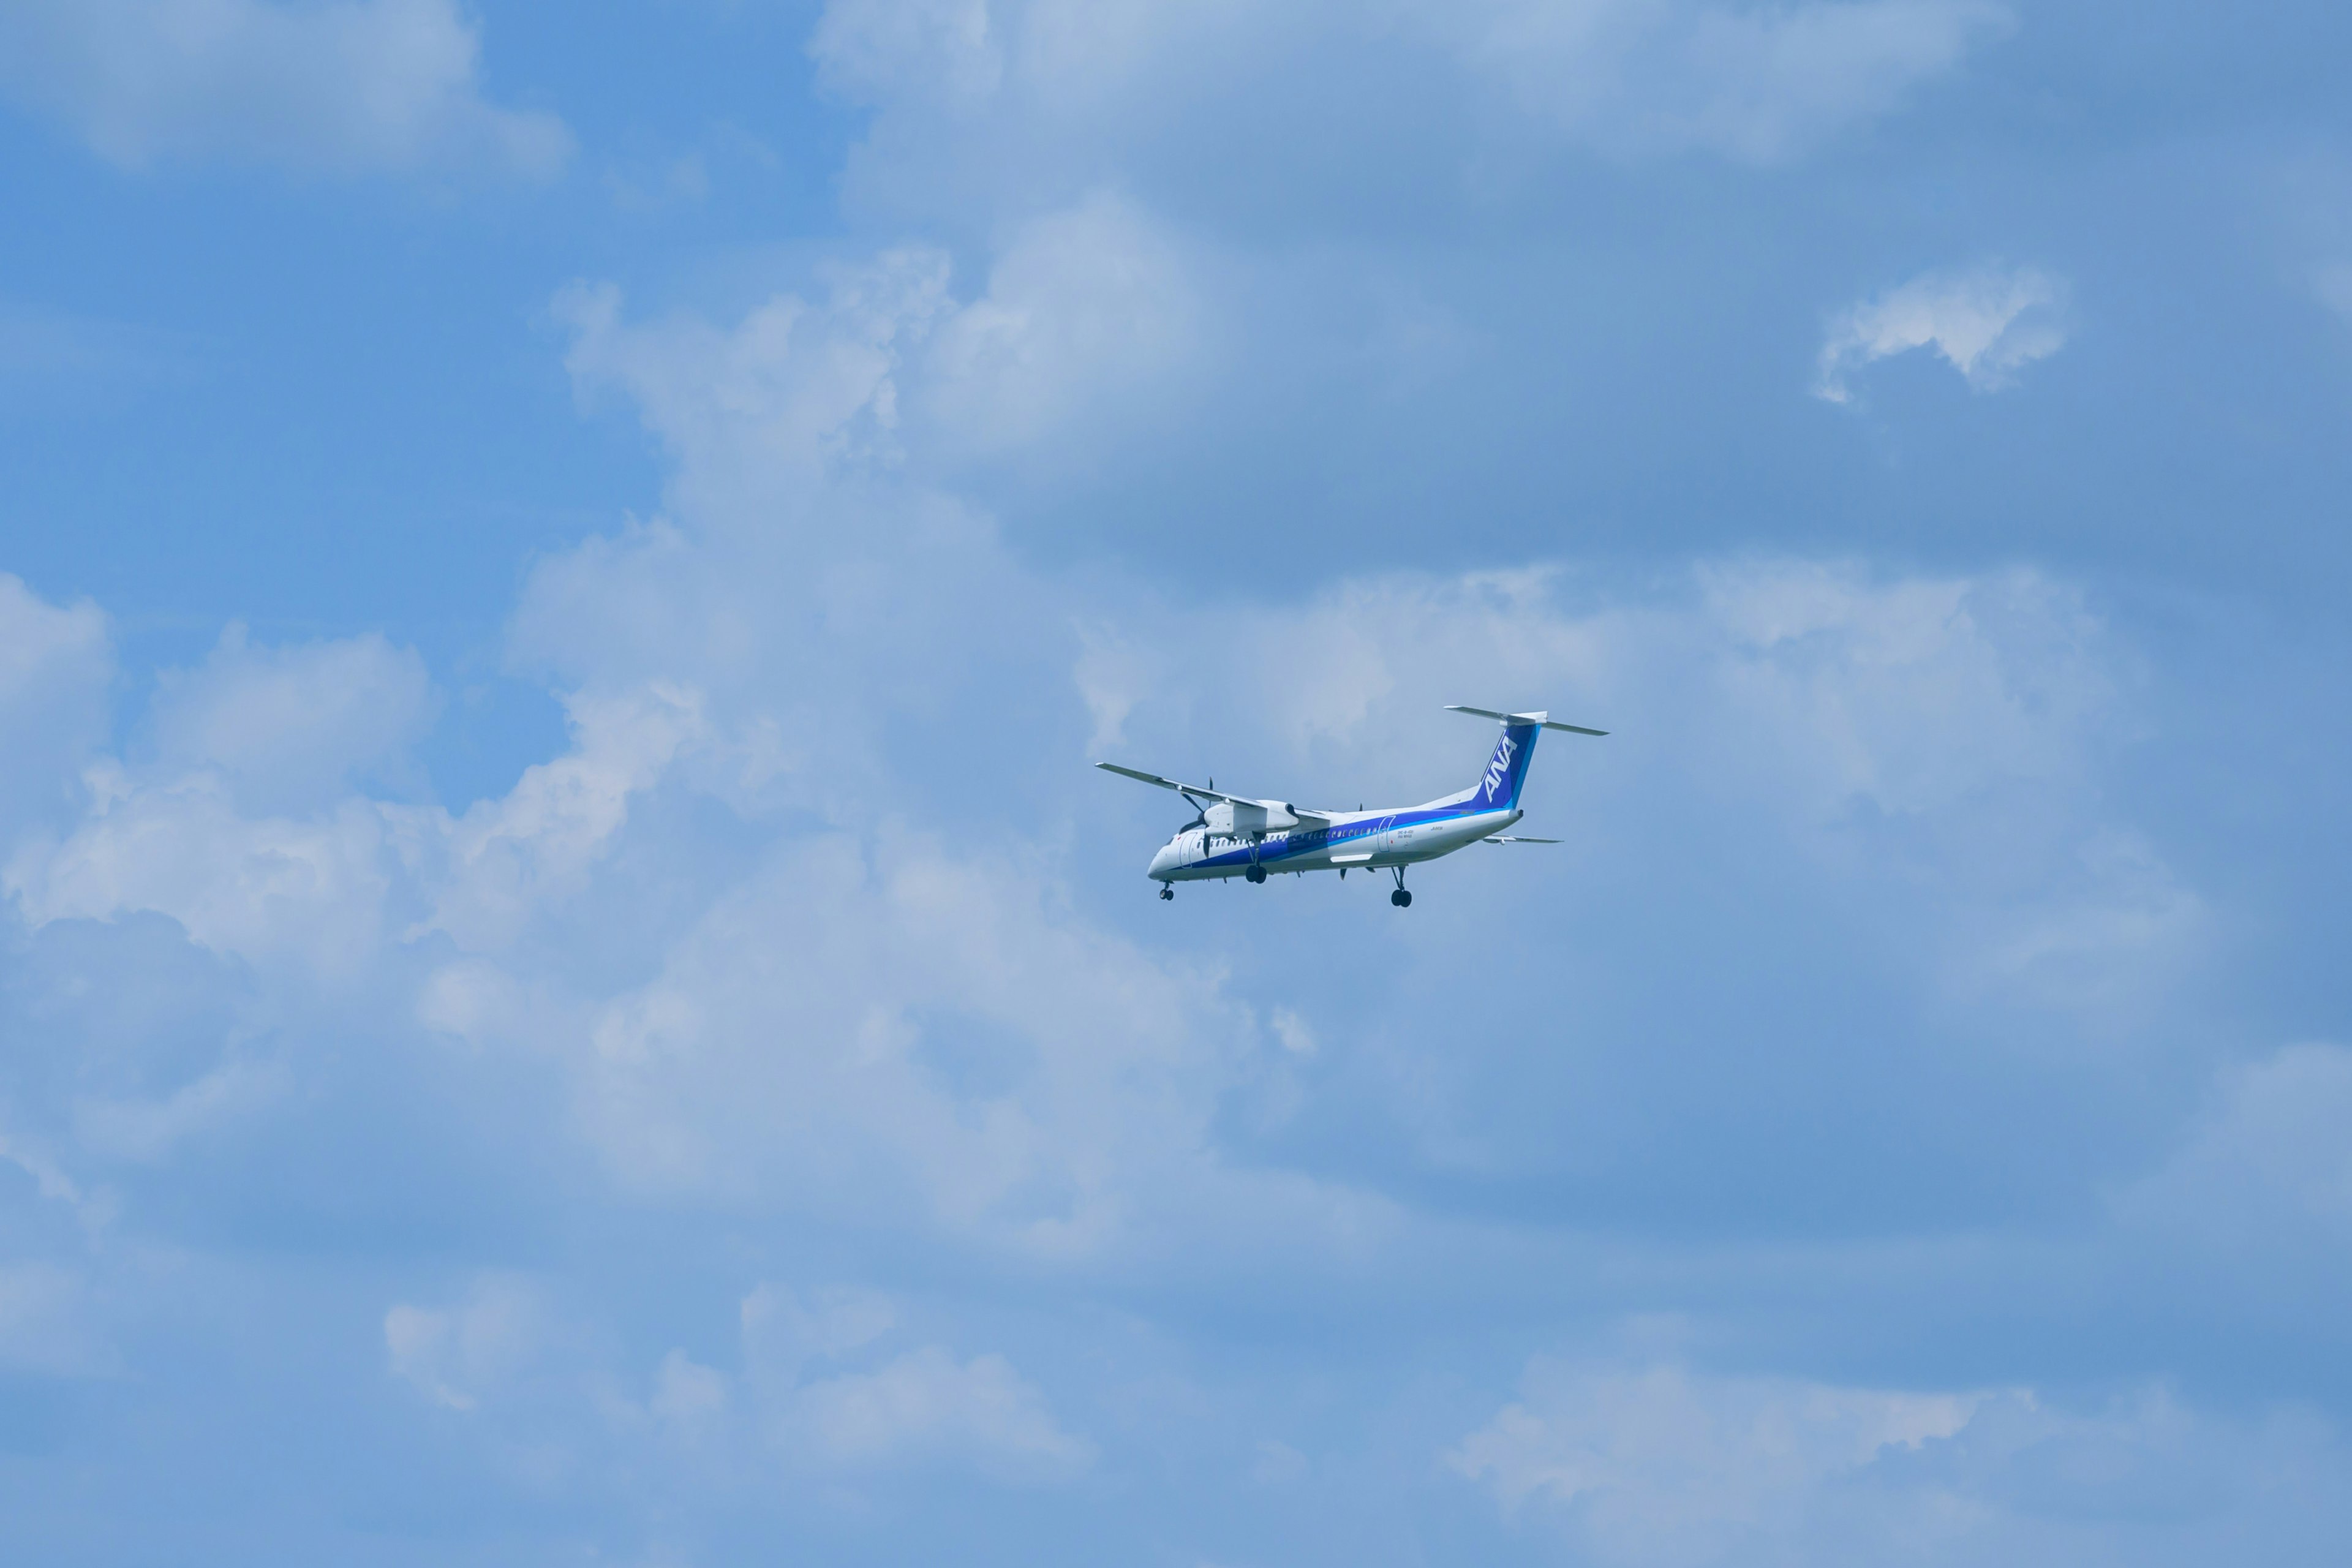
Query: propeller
{"x":1201,"y":806}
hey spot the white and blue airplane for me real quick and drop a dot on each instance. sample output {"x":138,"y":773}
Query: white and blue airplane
{"x":1238,"y":837}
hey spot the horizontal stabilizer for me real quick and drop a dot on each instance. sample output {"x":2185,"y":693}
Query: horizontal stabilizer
{"x":1542,"y":719}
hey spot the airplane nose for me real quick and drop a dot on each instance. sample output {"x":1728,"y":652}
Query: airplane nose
{"x":1163,"y":860}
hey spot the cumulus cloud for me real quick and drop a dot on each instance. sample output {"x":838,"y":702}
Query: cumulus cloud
{"x":269,"y":889}
{"x":460,"y":1354}
{"x":48,"y":1322}
{"x":2332,"y":285}
{"x":514,"y":857}
{"x":51,"y":360}
{"x":707,"y":950}
{"x":925,"y":1404}
{"x":826,"y":1388}
{"x":859,"y":1020}
{"x":56,"y":662}
{"x":843,"y":1018}
{"x":1988,"y":322}
{"x":1661,"y":1464}
{"x":785,"y":1330}
{"x":688,"y":1395}
{"x":794,"y":389}
{"x":226,"y":837}
{"x":1026,"y":102}
{"x":815,"y":946}
{"x":2267,"y":1168}
{"x":1753,"y":83}
{"x":1658,"y":1465}
{"x":836,"y":1395}
{"x":1910,"y":696}
{"x":290,"y":727}
{"x":1082,"y":306}
{"x":348,"y":86}
{"x":868,"y":48}
{"x":1022,"y":1079}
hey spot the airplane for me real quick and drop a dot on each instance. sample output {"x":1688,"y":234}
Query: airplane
{"x":1235,"y":836}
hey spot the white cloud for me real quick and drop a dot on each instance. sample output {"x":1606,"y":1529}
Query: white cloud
{"x":461,"y":1354}
{"x":927,"y":1406}
{"x":1906,"y":732}
{"x":2333,"y":284}
{"x":793,"y":390}
{"x":1914,"y":693}
{"x":292,"y":727}
{"x":859,"y":1022}
{"x":1659,"y":1464}
{"x":54,"y":665}
{"x":835,"y":1396}
{"x":332,"y":890}
{"x":2268,"y":1169}
{"x":510,"y":860}
{"x":347,"y":86}
{"x":48,"y":1322}
{"x":745,"y":986}
{"x":687,"y":1395}
{"x":867,"y":49}
{"x":1758,"y":84}
{"x":310,"y":891}
{"x":822,"y":1393}
{"x":50,"y":360}
{"x":147,"y":1130}
{"x":1911,"y":694}
{"x":785,"y":1330}
{"x":1989,"y":323}
{"x":1005,"y":106}
{"x":801,"y":1043}
{"x":1082,"y":306}
{"x":1296,"y":1037}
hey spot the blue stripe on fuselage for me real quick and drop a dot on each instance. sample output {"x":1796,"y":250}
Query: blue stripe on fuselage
{"x":1276,"y":847}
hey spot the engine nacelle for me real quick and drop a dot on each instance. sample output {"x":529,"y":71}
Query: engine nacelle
{"x":1250,"y":820}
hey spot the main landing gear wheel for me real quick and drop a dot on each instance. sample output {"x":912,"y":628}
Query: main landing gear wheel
{"x":1255,"y":873}
{"x":1400,"y":899}
{"x":1167,"y":893}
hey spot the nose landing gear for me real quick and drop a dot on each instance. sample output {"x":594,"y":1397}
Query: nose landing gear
{"x":1166,"y":891}
{"x":1400,"y":899}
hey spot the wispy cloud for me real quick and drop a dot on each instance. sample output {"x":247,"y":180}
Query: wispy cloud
{"x":1753,"y":84}
{"x":1988,"y":322}
{"x":2334,"y":286}
{"x":360,"y":86}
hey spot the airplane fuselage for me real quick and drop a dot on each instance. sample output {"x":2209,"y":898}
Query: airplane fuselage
{"x":1354,"y":840}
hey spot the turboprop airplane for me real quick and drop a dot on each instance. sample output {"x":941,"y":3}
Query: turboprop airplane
{"x":1235,"y":835}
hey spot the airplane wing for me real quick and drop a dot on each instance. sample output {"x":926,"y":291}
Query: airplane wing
{"x":1198,"y":793}
{"x":1523,"y":719}
{"x":1509,"y":838}
{"x":1201,"y":790}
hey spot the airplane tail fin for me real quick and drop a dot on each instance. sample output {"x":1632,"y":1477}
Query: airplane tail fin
{"x":1499,"y":787}
{"x":1506,"y":770}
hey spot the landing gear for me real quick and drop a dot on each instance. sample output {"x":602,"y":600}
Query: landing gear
{"x":1400,"y":899}
{"x":1166,"y":891}
{"x":1255,"y":874}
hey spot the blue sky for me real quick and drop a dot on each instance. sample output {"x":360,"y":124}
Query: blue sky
{"x":567,"y":990}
